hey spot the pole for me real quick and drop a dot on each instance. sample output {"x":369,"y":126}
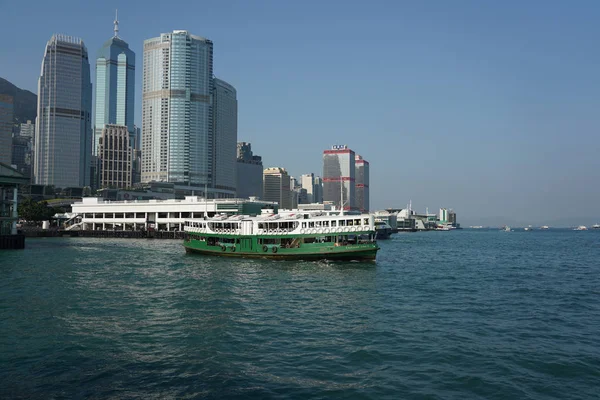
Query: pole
{"x":15,"y":213}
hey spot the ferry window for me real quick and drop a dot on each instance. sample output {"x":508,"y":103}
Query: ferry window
{"x":304,"y":224}
{"x":311,"y":224}
{"x":366,"y":221}
{"x":129,"y":215}
{"x":88,"y":215}
{"x":342,"y":222}
{"x":119,"y":215}
{"x":162,"y":215}
{"x":357,"y":222}
{"x":140,"y":215}
{"x":185,"y":215}
{"x":326,"y":223}
{"x":333,"y":223}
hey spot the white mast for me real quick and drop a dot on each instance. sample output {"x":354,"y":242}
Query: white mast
{"x":341,"y":196}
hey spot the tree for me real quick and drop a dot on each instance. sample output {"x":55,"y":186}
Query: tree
{"x":35,"y":210}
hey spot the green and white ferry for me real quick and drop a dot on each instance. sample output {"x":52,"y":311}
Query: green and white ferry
{"x":287,"y":236}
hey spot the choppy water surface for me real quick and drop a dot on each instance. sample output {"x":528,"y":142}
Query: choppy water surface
{"x":463,"y":314}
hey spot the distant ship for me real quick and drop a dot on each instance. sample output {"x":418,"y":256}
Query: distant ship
{"x":545,"y":227}
{"x":581,"y":228}
{"x":596,"y":226}
{"x":529,"y":228}
{"x":506,"y":229}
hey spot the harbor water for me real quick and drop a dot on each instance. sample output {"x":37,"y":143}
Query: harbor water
{"x":441,"y":315}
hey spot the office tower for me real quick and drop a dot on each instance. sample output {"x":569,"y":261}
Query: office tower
{"x":318,"y":194}
{"x":27,"y":130}
{"x":115,"y":157}
{"x":294,"y":192}
{"x":136,"y":161}
{"x":308,"y":184}
{"x":276,"y":184}
{"x":362,"y":183}
{"x":115,"y":87}
{"x":338,"y":176}
{"x":6,"y":124}
{"x":63,"y":134}
{"x":177,"y":124}
{"x":225,"y":134}
{"x":249,"y":172}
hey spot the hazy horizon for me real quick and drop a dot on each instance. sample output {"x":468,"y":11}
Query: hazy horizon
{"x":488,"y":109}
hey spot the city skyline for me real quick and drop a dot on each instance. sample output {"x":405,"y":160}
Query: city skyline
{"x":476,"y":114}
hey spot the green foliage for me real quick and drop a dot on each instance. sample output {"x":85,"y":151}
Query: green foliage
{"x":35,"y":210}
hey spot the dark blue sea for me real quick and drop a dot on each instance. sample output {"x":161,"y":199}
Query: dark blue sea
{"x":469,"y":314}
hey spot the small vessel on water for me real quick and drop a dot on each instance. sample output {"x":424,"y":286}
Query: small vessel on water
{"x":581,"y":228}
{"x":529,"y":228}
{"x":506,"y":228}
{"x":596,"y":226}
{"x":545,"y":227}
{"x":299,"y":235}
{"x":383,"y":230}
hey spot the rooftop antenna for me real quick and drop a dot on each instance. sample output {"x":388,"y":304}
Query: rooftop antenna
{"x":116,"y":23}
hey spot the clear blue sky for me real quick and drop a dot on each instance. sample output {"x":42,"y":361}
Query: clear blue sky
{"x":490,"y":108}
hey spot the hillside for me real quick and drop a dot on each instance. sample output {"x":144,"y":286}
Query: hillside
{"x":25,"y":102}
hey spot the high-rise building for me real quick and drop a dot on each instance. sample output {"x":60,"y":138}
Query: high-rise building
{"x":295,"y":189}
{"x":115,"y":157}
{"x":27,"y":130}
{"x":249,"y":172}
{"x":6,"y":124}
{"x":318,"y":194}
{"x":115,"y":87}
{"x":63,"y":134}
{"x":276,"y":184}
{"x":362,"y":183}
{"x":308,"y":183}
{"x":338,"y":176}
{"x":177,"y":137}
{"x":21,"y":154}
{"x":225,"y":133}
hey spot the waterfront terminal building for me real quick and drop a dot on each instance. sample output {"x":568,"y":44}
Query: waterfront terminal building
{"x":93,"y":213}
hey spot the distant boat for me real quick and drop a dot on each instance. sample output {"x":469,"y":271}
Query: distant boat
{"x":382,"y":230}
{"x":506,"y":229}
{"x":529,"y":228}
{"x":581,"y":228}
{"x":545,"y":227}
{"x":596,"y":226}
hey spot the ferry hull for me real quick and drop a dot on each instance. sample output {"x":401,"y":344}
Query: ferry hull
{"x":342,"y":253}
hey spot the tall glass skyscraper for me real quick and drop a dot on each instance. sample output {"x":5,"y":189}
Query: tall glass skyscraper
{"x":177,"y":110}
{"x":115,"y":87}
{"x":6,"y":124}
{"x":225,"y":133}
{"x":63,"y":134}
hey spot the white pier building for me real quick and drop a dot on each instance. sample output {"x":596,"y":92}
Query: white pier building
{"x":93,"y":213}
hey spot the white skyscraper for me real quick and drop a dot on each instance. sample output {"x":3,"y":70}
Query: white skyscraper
{"x":63,"y":133}
{"x":177,"y":137}
{"x":308,"y":182}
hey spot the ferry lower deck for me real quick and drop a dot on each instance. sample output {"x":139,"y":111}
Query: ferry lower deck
{"x":350,"y":246}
